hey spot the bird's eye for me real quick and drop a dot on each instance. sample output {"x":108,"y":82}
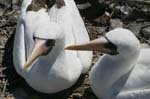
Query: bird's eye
{"x":46,"y":42}
{"x":50,"y":43}
{"x":112,"y":47}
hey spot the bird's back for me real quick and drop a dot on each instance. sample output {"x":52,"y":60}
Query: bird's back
{"x":75,"y":31}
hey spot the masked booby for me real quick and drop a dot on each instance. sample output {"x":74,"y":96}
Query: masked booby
{"x":123,"y":71}
{"x":41,"y":36}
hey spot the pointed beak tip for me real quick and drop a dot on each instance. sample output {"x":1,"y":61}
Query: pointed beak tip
{"x":66,"y":48}
{"x":69,"y":47}
{"x":25,"y":66}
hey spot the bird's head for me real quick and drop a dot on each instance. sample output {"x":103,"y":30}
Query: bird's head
{"x":45,"y":38}
{"x":117,"y":41}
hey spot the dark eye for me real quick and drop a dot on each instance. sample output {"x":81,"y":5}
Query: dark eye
{"x":50,"y":43}
{"x":110,"y":45}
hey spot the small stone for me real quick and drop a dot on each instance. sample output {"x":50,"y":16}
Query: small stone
{"x":146,"y":32}
{"x":95,"y":31}
{"x":135,"y":27}
{"x":115,"y":23}
{"x":10,"y":98}
{"x":144,"y":45}
{"x":86,"y":81}
{"x":103,"y":19}
{"x":1,"y":57}
{"x":3,"y":40}
{"x":79,"y":90}
{"x":84,"y":6}
{"x":125,"y":10}
{"x":76,"y":96}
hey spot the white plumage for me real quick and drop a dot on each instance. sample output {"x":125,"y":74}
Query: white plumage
{"x":125,"y":73}
{"x":59,"y":69}
{"x":122,"y":76}
{"x":69,"y":18}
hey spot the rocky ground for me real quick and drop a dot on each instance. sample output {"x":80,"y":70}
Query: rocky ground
{"x":132,"y":15}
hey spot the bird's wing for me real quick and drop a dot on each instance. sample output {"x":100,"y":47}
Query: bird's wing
{"x":19,"y":53}
{"x":81,"y":35}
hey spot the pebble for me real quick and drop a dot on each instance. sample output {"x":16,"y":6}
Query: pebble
{"x":144,"y":45}
{"x":146,"y":32}
{"x":135,"y":27}
{"x":115,"y":23}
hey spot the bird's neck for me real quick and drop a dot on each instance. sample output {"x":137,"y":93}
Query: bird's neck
{"x":115,"y":70}
{"x":125,"y":62}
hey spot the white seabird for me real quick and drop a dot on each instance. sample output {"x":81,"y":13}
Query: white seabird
{"x":40,"y":40}
{"x":123,"y":71}
{"x":69,"y":18}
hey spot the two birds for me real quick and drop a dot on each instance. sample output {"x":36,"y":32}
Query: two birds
{"x":41,"y":36}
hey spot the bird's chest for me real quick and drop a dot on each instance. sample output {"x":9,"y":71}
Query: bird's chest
{"x":139,"y":78}
{"x":49,"y":71}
